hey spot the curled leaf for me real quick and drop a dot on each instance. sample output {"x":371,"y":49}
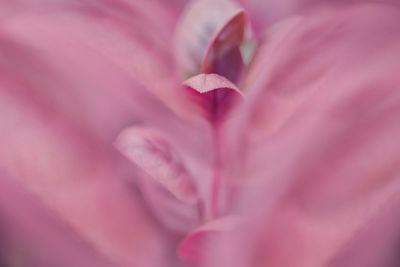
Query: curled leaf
{"x":201,"y":23}
{"x":147,"y":149}
{"x":223,"y":54}
{"x":192,"y":246}
{"x":213,"y":94}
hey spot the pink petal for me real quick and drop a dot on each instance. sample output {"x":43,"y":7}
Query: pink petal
{"x":73,"y":75}
{"x":33,"y":235}
{"x":194,"y":245}
{"x":264,"y":14}
{"x":91,"y":52}
{"x":80,"y":178}
{"x":214,"y":95}
{"x":318,"y":141}
{"x":376,"y":244}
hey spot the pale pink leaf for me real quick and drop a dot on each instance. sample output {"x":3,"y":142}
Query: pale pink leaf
{"x":155,"y":156}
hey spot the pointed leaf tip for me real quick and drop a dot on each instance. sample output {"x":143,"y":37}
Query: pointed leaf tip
{"x":193,"y":246}
{"x":213,"y":94}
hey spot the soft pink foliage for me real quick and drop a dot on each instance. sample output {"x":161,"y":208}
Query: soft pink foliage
{"x":200,"y":133}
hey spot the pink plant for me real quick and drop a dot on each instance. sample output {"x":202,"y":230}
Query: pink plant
{"x":200,"y":133}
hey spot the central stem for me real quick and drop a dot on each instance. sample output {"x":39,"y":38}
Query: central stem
{"x":216,"y":178}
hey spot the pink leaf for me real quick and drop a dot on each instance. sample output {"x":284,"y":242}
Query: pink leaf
{"x":192,"y":246}
{"x":154,"y":155}
{"x":201,"y":23}
{"x":223,"y":55}
{"x":214,"y":94}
